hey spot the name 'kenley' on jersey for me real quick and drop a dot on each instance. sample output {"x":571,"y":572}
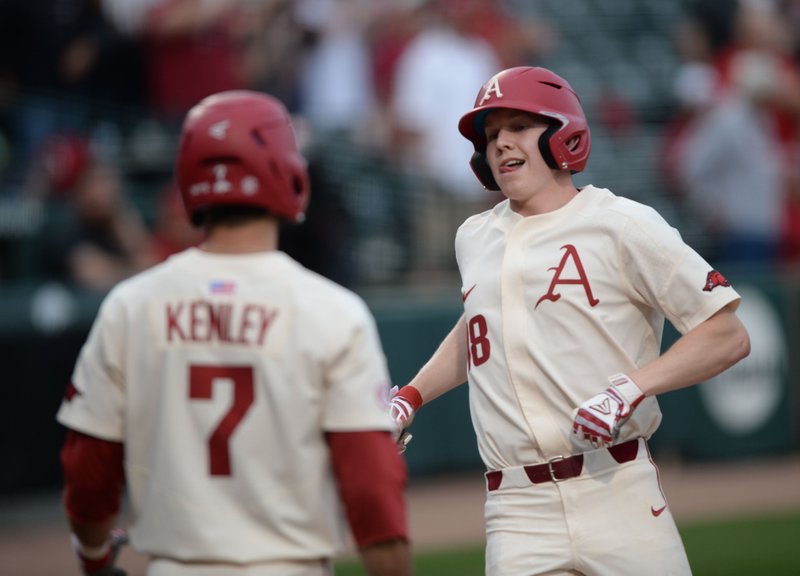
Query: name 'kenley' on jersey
{"x":203,"y":321}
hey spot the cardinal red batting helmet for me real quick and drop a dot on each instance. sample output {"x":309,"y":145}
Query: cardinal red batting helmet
{"x":239,"y":148}
{"x":564,"y":146}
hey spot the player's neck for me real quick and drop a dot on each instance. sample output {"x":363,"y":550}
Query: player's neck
{"x":550,"y":198}
{"x":254,"y":236}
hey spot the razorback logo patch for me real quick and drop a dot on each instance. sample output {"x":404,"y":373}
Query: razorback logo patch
{"x":713,"y":280}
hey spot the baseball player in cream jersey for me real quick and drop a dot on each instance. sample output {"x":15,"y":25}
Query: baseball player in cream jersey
{"x":565,"y":294}
{"x":241,"y":397}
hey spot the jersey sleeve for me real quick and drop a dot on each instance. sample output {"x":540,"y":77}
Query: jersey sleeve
{"x":357,"y":378}
{"x":94,"y":403}
{"x":668,"y":275}
{"x":93,"y":477}
{"x":371,"y":478}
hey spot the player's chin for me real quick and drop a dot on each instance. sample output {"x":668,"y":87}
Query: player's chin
{"x":508,"y":178}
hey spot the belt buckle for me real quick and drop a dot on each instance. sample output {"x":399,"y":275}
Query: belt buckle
{"x":550,"y":467}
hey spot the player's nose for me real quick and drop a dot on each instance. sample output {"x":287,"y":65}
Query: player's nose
{"x":504,"y":139}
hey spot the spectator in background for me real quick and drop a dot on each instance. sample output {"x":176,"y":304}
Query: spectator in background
{"x":704,"y":28}
{"x":190,"y":46}
{"x":740,"y":161}
{"x":763,"y":30}
{"x":434,"y":79}
{"x":61,"y":66}
{"x":388,"y":35}
{"x":273,"y":47}
{"x":337,"y":92}
{"x":105,"y":239}
{"x":516,"y":38}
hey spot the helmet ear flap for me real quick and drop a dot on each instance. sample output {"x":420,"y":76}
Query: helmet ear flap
{"x":544,"y":146}
{"x":481,"y":169}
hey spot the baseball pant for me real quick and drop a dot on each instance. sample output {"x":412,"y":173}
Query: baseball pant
{"x":611,"y":520}
{"x":167,"y":567}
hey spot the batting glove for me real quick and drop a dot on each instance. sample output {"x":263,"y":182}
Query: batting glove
{"x":598,"y":420}
{"x":403,"y":405}
{"x":99,"y":561}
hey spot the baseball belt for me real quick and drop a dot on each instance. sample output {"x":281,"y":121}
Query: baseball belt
{"x":564,"y":467}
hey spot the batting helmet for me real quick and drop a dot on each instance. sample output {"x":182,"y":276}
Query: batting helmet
{"x":564,"y":146}
{"x":238,"y":148}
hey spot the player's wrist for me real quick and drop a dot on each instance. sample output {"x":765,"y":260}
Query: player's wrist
{"x":627,"y":388}
{"x":93,"y":558}
{"x":411,"y":395}
{"x":91,"y":552}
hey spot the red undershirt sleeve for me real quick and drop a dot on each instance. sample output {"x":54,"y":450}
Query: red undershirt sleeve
{"x":372,"y":481}
{"x":93,"y":477}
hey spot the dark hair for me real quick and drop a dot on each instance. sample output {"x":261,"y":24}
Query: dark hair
{"x":228,"y":215}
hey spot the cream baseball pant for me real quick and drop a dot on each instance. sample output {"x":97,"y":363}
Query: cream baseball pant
{"x":610,"y":520}
{"x":167,"y":567}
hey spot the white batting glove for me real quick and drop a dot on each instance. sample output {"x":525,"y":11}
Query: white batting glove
{"x":598,"y":420}
{"x":403,"y":405}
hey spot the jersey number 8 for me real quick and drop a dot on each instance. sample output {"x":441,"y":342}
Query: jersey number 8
{"x":478,"y":336}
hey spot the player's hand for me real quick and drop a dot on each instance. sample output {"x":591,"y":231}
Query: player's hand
{"x":598,"y":420}
{"x":403,"y":405}
{"x":100,"y":561}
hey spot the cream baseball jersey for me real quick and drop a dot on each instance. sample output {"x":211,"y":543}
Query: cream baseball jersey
{"x":556,"y":303}
{"x":220,"y":374}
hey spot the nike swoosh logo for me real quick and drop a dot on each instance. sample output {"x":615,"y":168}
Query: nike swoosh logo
{"x":466,"y":294}
{"x":657,"y":512}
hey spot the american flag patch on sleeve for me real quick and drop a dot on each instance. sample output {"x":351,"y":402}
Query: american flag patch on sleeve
{"x":222,"y":287}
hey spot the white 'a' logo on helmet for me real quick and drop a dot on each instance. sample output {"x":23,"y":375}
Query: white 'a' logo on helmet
{"x":219,"y":130}
{"x":492,"y":88}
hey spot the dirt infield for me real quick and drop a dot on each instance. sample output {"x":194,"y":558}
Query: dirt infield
{"x":444,"y":512}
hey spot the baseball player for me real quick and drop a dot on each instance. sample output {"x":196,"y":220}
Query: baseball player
{"x":240,"y":396}
{"x":565,"y":294}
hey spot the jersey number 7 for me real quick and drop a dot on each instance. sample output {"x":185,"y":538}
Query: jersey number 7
{"x":201,"y":387}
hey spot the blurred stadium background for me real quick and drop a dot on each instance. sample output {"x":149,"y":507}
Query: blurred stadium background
{"x":77,"y":88}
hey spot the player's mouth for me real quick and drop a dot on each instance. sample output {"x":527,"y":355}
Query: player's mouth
{"x":510,"y":165}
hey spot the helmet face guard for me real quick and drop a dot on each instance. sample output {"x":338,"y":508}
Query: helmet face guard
{"x":564,"y":146}
{"x":239,"y":148}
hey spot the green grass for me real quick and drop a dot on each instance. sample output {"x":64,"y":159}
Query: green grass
{"x":768,"y":546}
{"x":749,"y":547}
{"x":454,"y":562}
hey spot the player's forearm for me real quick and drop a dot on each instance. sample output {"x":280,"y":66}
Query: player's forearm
{"x":447,"y":368}
{"x":700,"y":354}
{"x":387,"y":559}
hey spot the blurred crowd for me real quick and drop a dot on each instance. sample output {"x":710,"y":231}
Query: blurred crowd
{"x":732,"y":150}
{"x":92,"y":93}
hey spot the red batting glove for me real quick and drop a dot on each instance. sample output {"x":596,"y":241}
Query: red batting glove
{"x":99,"y":561}
{"x":403,"y":405}
{"x":598,"y":420}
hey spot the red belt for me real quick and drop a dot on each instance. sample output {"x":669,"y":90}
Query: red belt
{"x":564,"y":467}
